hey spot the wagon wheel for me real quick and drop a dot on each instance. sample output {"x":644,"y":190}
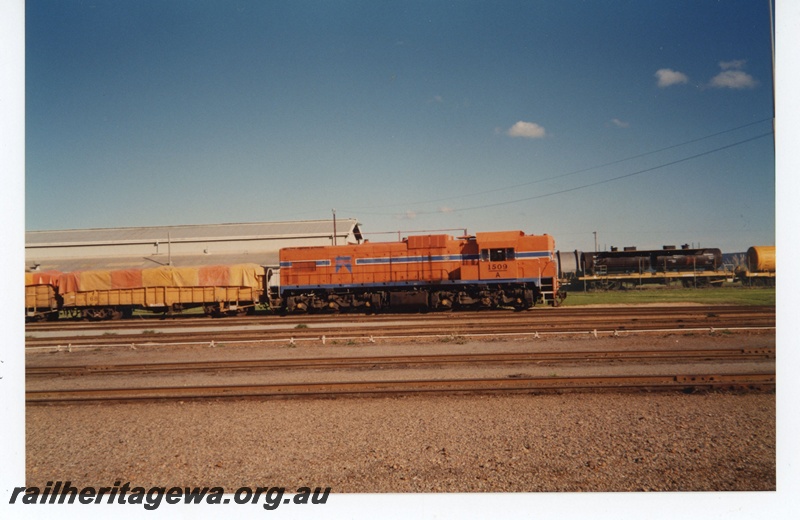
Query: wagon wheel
{"x":97,"y":314}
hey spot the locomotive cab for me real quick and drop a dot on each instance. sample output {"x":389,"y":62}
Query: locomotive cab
{"x":519,"y":264}
{"x":497,"y":263}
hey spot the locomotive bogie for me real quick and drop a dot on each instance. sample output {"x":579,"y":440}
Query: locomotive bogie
{"x":434,"y":298}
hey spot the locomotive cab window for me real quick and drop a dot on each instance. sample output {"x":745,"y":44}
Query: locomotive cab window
{"x":497,"y":255}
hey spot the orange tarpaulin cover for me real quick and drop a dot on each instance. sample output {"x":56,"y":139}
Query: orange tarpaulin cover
{"x":43,"y":278}
{"x":214,"y":276}
{"x":126,"y":278}
{"x":68,"y":282}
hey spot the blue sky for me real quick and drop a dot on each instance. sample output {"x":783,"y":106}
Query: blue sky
{"x":647,"y":122}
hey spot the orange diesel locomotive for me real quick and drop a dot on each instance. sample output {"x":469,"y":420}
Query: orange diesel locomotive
{"x":488,"y":270}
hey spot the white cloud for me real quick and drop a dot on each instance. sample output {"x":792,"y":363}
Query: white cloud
{"x":669,"y":77}
{"x":446,"y":209}
{"x":737,"y":79}
{"x":732,"y":76}
{"x":734,"y":64}
{"x":408,"y":215}
{"x":619,"y":123}
{"x":525,"y":129}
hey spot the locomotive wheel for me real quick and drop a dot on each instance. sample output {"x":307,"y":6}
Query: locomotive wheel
{"x":521,"y":306}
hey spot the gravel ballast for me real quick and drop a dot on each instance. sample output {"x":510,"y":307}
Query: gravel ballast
{"x":520,"y":442}
{"x":455,"y":443}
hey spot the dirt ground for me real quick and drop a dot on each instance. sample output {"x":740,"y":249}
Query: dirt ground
{"x":421,"y":444}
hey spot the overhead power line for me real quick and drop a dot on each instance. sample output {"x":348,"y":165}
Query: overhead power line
{"x":575,"y":172}
{"x":605,"y":181}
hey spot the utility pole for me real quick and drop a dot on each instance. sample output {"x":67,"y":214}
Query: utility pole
{"x":595,"y":240}
{"x":334,"y":225}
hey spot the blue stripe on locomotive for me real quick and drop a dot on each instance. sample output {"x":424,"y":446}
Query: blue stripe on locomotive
{"x":388,"y":285}
{"x":422,"y":258}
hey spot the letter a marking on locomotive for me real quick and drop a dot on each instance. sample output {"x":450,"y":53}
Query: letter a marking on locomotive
{"x":344,"y":261}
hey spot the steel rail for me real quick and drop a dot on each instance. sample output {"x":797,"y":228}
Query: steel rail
{"x":140,"y":342}
{"x":740,"y":354}
{"x":408,"y":328}
{"x":467,"y":316}
{"x":685,"y":383}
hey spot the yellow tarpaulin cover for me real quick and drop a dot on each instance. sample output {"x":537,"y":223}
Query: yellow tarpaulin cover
{"x":94,"y":281}
{"x":170,"y":277}
{"x":246,"y":275}
{"x":241,"y":275}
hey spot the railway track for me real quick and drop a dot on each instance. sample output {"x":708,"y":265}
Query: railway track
{"x":546,"y":313}
{"x":684,"y":383}
{"x":759,"y":376}
{"x":689,"y":355}
{"x":339,"y":327}
{"x":708,"y":368}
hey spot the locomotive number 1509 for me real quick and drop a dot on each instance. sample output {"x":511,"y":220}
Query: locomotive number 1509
{"x":498,"y":267}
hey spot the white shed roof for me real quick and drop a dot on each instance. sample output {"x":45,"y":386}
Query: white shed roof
{"x":196,"y":245}
{"x":297,"y":229}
